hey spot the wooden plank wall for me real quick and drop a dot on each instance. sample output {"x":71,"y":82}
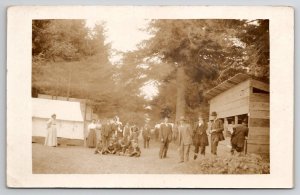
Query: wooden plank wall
{"x":234,"y":101}
{"x":259,"y":120}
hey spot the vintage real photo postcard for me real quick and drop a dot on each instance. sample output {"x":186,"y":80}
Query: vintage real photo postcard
{"x":150,"y":97}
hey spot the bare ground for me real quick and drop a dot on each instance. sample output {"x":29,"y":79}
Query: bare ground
{"x":81,"y":160}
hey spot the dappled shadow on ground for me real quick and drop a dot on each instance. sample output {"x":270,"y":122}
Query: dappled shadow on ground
{"x":81,"y":160}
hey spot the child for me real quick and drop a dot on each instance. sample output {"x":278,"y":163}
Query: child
{"x":99,"y":147}
{"x":135,"y":150}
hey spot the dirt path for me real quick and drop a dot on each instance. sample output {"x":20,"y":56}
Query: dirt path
{"x":81,"y":160}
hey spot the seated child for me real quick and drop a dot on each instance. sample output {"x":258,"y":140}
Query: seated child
{"x":111,"y":146}
{"x":99,"y":148}
{"x":135,"y":149}
{"x":119,"y":146}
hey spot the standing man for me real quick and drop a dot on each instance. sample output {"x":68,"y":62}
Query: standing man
{"x":98,"y":135}
{"x":126,"y":131}
{"x":113,"y":128}
{"x":98,"y":130}
{"x":135,"y":134}
{"x":200,"y":137}
{"x":185,"y":140}
{"x":146,"y":135}
{"x":119,"y":130}
{"x":216,"y":131}
{"x":240,"y":132}
{"x":105,"y":133}
{"x":165,"y":136}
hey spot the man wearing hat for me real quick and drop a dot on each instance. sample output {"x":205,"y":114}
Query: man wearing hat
{"x":240,"y":132}
{"x":216,"y":131}
{"x":185,"y":140}
{"x":165,"y":136}
{"x":200,"y":136}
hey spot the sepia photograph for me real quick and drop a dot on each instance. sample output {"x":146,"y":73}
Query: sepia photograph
{"x":137,"y":96}
{"x":184,"y":96}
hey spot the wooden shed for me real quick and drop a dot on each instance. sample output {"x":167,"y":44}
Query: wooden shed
{"x":243,"y":97}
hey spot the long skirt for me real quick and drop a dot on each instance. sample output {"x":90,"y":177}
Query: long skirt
{"x":51,"y":137}
{"x":92,"y":139}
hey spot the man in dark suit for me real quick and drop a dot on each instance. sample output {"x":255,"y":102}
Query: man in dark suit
{"x":240,"y":132}
{"x":216,"y":131}
{"x":165,"y":136}
{"x":200,"y":137}
{"x":146,"y":135}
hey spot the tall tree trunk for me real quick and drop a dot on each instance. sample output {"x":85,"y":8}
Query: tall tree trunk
{"x":180,"y":102}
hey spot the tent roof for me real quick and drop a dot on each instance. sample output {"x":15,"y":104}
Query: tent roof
{"x":238,"y":78}
{"x":64,"y":110}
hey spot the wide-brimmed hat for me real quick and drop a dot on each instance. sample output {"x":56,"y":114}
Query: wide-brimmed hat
{"x":213,"y":113}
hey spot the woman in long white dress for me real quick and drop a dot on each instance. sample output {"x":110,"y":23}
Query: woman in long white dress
{"x":51,"y":136}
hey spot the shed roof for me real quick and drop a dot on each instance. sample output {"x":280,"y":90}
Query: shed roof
{"x":238,"y":78}
{"x":64,"y":110}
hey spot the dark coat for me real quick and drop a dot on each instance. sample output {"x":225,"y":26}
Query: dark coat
{"x":165,"y":132}
{"x":200,"y":135}
{"x":146,"y":133}
{"x":219,"y":127}
{"x":238,"y":135}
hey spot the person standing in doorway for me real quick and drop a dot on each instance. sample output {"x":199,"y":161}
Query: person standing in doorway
{"x":240,"y":132}
{"x":216,"y":131}
{"x":185,"y":140}
{"x":165,"y":136}
{"x":200,"y":137}
{"x":51,"y":136}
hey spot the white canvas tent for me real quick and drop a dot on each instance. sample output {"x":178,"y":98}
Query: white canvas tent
{"x":70,"y":117}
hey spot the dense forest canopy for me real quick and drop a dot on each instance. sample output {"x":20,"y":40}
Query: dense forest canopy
{"x":183,"y":58}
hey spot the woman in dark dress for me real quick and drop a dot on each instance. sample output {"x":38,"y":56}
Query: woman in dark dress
{"x":200,"y":137}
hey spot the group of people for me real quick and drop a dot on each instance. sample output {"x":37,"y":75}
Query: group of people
{"x":197,"y":135}
{"x":111,"y":137}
